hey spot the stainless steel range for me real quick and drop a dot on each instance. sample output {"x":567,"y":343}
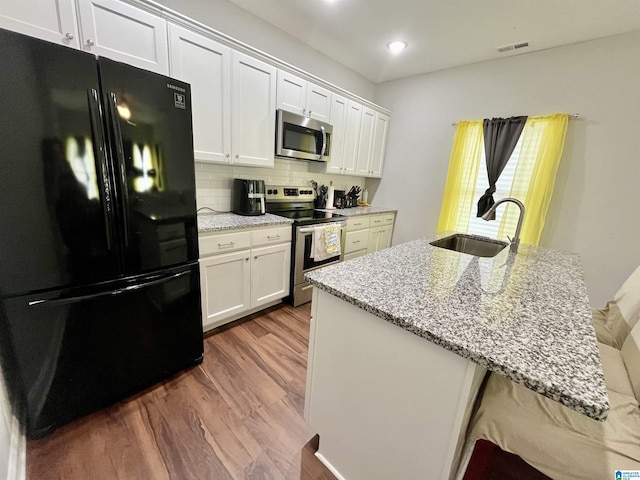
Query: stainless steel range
{"x":296,"y":203}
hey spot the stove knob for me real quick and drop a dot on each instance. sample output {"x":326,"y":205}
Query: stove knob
{"x":269,"y":192}
{"x":275,"y":192}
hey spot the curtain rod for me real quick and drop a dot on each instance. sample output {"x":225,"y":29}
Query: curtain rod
{"x":571,"y":115}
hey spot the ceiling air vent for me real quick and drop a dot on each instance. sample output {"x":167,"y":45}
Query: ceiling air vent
{"x":512,"y":47}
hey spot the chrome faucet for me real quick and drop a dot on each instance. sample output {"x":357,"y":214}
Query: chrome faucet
{"x":516,"y":238}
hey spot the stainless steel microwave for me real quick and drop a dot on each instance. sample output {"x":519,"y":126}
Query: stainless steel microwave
{"x":302,"y":137}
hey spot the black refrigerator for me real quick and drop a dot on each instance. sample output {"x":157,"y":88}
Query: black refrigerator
{"x":99,"y":279}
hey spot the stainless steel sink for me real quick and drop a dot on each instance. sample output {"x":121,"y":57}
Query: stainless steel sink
{"x":471,"y":244}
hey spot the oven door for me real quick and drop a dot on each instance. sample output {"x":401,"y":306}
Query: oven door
{"x":303,"y":261}
{"x":302,"y":137}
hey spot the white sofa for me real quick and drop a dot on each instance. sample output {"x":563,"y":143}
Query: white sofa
{"x":558,"y":441}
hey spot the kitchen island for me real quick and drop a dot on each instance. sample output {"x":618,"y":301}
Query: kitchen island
{"x":401,"y":339}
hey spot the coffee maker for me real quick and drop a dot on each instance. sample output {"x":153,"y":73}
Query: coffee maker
{"x":247,"y":197}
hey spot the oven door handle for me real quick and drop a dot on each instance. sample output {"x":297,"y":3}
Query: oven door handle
{"x":312,"y":229}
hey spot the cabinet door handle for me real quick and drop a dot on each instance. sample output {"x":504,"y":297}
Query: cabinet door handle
{"x":69,"y":36}
{"x":90,"y":43}
{"x":226,"y":245}
{"x":377,"y":221}
{"x":237,"y":156}
{"x":228,"y":155}
{"x":356,"y":241}
{"x":273,"y":237}
{"x":357,"y":224}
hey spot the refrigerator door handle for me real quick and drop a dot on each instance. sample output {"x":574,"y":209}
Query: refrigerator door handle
{"x":119,"y":151}
{"x":100,"y":152}
{"x":107,"y":293}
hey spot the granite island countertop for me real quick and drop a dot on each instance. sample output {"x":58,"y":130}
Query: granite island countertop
{"x":525,"y":316}
{"x":217,"y":222}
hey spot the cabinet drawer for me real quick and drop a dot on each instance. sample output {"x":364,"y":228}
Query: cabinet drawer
{"x":225,"y":242}
{"x":265,"y":236}
{"x":357,"y":240}
{"x":389,"y":218}
{"x":358,"y":223}
{"x":379,"y":220}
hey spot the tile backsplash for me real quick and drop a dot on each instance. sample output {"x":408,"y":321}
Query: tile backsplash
{"x":213,"y":181}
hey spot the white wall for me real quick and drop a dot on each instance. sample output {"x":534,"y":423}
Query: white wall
{"x":226,"y":17}
{"x":595,"y":207}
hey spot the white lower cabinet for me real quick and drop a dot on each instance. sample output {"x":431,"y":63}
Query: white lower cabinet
{"x":357,"y":238}
{"x":269,"y":277}
{"x":380,"y":232}
{"x":241,"y":272}
{"x":225,"y":284}
{"x":368,"y":233}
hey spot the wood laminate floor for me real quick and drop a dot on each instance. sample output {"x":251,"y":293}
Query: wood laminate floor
{"x":238,"y":415}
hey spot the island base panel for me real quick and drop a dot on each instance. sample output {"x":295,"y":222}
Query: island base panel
{"x":385,"y":402}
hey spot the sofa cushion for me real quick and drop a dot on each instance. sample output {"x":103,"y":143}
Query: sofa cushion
{"x":631,"y":356}
{"x":614,"y":322}
{"x":558,"y":441}
{"x":615,"y":372}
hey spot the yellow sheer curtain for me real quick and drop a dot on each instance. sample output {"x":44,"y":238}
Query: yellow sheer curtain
{"x":535,"y":175}
{"x":459,"y":190}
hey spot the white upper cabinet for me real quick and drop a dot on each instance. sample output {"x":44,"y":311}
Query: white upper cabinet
{"x":253,"y":111}
{"x":379,"y":144}
{"x":124,"y":33}
{"x":235,"y":95}
{"x":359,"y":139}
{"x":51,"y":20}
{"x":340,"y":162}
{"x":206,"y":65}
{"x":302,"y":97}
{"x":367,"y":126}
{"x":352,"y":133}
{"x":233,"y":99}
{"x":292,"y":93}
{"x":318,"y":102}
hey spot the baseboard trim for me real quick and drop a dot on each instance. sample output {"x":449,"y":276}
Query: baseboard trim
{"x":17,"y":452}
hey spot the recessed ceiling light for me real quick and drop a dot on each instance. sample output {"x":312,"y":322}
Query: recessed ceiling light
{"x":397,"y":46}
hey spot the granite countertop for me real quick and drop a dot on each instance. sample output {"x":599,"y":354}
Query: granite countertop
{"x":212,"y":222}
{"x":525,"y":316}
{"x":355,"y":211}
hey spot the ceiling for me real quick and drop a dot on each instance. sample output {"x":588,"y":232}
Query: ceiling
{"x":440,"y":33}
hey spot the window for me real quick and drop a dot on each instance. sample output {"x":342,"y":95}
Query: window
{"x":528,"y":176}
